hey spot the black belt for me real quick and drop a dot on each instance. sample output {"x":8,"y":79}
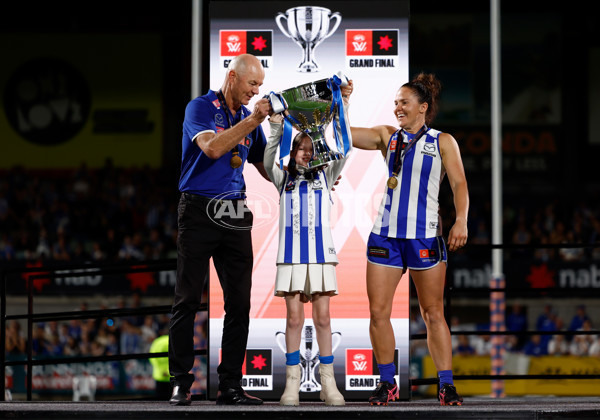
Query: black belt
{"x":203,"y":199}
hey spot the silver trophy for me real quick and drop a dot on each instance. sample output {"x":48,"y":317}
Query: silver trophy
{"x":309,"y":109}
{"x":308,"y":26}
{"x":309,"y":356}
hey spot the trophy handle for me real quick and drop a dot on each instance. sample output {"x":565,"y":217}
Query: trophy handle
{"x":338,"y":19}
{"x":281,"y":26}
{"x":280,"y":339}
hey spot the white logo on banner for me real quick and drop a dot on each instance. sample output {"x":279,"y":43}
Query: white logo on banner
{"x":360,"y":365}
{"x":359,"y":43}
{"x":233,"y":43}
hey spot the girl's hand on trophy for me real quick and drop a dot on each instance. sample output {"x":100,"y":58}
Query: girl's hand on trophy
{"x":276,"y":118}
{"x":347,"y":90}
{"x":337,"y":181}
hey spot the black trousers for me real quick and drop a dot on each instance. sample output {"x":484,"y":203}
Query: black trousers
{"x":208,"y":230}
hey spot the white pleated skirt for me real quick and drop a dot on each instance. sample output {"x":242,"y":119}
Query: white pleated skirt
{"x":305,"y":278}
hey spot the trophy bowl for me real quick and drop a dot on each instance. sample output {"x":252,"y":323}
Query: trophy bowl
{"x":309,"y":110}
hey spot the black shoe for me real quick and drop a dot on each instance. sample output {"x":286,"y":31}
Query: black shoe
{"x":236,"y":396}
{"x":449,"y":396}
{"x":384,"y":393}
{"x":180,"y":396}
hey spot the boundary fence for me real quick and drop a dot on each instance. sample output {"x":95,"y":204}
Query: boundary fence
{"x":52,"y":271}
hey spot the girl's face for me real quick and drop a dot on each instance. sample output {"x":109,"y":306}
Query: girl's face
{"x":304,"y":152}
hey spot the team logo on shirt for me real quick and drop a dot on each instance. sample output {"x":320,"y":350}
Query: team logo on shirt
{"x":217,"y":104}
{"x":290,"y":185}
{"x":219,"y":120}
{"x":246,"y":142}
{"x":377,"y":251}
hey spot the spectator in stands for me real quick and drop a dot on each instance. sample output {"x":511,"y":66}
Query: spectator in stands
{"x":571,"y":254}
{"x":15,"y":343}
{"x":160,"y":367}
{"x":579,"y":318}
{"x":464,"y":347}
{"x":70,"y":348}
{"x":130,"y":338}
{"x":483,"y":345}
{"x":545,"y":317}
{"x":516,"y":321}
{"x":581,"y":343}
{"x":521,"y":236}
{"x":535,"y":346}
{"x":558,"y":345}
{"x":595,"y":347}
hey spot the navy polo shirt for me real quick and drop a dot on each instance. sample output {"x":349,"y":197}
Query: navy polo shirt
{"x":215,"y":177}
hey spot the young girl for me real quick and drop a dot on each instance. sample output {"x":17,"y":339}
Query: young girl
{"x":306,"y":259}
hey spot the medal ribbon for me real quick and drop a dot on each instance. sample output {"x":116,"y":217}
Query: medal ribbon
{"x":341,"y":128}
{"x":398,"y":157}
{"x":235,"y":151}
{"x":285,"y":141}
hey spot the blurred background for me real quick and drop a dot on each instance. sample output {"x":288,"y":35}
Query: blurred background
{"x":93,"y":96}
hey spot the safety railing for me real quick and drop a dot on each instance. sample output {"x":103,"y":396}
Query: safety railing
{"x":450,"y":292}
{"x":73,"y":270}
{"x":155,"y":266}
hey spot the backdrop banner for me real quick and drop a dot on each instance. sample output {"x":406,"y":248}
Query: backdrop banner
{"x":299,"y":43}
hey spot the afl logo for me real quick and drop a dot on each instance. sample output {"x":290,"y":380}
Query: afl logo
{"x":233,"y":38}
{"x":224,"y":212}
{"x":359,"y":38}
{"x":359,"y":357}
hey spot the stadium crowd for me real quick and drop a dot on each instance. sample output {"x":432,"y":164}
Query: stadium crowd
{"x":114,"y":214}
{"x":576,"y":338}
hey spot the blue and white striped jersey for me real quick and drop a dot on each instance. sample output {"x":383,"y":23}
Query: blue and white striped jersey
{"x":304,"y":210}
{"x":411,"y":210}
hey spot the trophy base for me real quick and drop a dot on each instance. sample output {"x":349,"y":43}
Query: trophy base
{"x":308,"y":67}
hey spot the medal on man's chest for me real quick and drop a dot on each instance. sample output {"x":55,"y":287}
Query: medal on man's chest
{"x":236,"y":160}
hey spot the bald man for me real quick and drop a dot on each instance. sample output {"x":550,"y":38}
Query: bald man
{"x":219,"y":135}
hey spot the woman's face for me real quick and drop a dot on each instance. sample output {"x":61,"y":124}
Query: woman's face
{"x":304,"y":153}
{"x":408,"y":111}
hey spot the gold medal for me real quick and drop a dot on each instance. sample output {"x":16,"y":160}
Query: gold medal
{"x":235,"y":161}
{"x":392,"y":182}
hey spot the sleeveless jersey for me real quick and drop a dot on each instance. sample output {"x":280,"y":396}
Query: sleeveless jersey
{"x":304,"y":227}
{"x":410,"y":211}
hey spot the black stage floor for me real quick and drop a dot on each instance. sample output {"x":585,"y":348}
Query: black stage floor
{"x":474,"y":408}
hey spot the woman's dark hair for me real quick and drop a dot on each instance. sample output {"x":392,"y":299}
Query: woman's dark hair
{"x":291,"y":168}
{"x":427,"y":88}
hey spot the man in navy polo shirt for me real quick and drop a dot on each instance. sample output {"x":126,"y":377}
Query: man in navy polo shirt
{"x":219,"y":135}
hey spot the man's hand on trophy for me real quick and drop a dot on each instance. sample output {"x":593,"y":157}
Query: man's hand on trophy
{"x":277,"y":102}
{"x":262,"y":109}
